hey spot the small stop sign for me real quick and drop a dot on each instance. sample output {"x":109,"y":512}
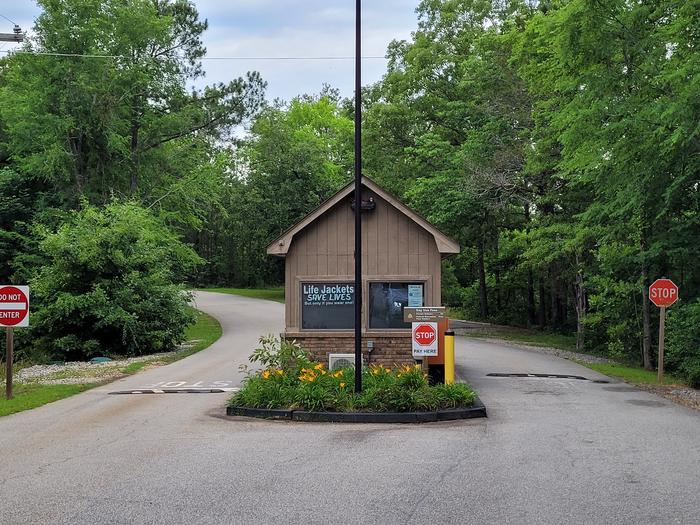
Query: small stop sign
{"x":424,"y":334}
{"x":663,"y":293}
{"x":424,"y":340}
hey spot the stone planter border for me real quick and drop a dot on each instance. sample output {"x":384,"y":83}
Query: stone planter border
{"x":451,"y":414}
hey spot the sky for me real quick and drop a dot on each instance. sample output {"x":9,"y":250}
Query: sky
{"x":273,"y":28}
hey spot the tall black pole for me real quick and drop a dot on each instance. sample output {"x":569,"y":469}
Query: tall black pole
{"x":358,"y":196}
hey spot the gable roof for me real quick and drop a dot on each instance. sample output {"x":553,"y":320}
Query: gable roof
{"x":281,"y":245}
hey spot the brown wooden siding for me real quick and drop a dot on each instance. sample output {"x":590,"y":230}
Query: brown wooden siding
{"x":394,"y":248}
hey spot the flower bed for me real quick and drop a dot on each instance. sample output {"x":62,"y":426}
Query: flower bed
{"x":289,"y":379}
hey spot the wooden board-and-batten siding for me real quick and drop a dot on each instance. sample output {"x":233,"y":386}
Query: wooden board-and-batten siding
{"x":394,"y":248}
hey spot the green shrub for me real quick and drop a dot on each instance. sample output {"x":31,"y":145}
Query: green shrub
{"x":682,"y":355}
{"x":109,"y":285}
{"x":289,"y":379}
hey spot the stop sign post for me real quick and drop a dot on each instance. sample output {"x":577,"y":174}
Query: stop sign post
{"x":663,"y":293}
{"x":14,"y":312}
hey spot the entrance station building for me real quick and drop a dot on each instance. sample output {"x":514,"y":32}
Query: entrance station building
{"x":401,"y":266}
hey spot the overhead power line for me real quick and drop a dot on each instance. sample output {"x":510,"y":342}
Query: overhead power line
{"x":81,"y":55}
{"x":11,"y":21}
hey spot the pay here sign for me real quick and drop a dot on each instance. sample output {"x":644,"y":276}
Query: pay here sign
{"x":424,"y":340}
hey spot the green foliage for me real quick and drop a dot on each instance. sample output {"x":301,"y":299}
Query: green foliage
{"x":290,"y":379}
{"x":281,"y":354}
{"x":297,"y":155}
{"x":128,"y":125}
{"x":108,"y":285}
{"x":683,"y":341}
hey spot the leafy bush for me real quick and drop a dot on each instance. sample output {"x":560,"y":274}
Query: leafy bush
{"x":682,"y":354}
{"x":108,"y":285}
{"x":290,"y":379}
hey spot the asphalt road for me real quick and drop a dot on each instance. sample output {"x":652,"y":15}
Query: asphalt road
{"x":551,"y":451}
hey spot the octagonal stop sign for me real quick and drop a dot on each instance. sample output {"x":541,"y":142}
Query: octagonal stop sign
{"x":663,"y":293}
{"x":425,"y":340}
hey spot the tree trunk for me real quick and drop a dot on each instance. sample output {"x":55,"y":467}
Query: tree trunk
{"x":483,"y":294}
{"x":530,"y":300}
{"x":646,"y":319}
{"x":135,"y":129}
{"x":542,"y":317}
{"x":134,"y":183}
{"x":554,"y":298}
{"x":580,"y":305}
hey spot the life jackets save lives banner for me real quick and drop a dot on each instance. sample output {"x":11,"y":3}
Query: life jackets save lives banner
{"x":327,"y":306}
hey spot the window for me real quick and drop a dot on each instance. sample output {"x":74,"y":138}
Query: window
{"x":327,"y":306}
{"x":387,"y":301}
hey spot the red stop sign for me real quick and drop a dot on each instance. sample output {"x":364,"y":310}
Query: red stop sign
{"x":424,"y":334}
{"x":663,"y":292}
{"x":14,"y":306}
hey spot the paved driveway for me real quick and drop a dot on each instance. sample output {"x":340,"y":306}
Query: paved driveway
{"x":552,"y":451}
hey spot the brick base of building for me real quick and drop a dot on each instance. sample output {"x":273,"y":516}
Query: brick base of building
{"x":389,"y":351}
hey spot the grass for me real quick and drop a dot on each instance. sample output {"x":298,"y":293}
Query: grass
{"x":205,"y":332}
{"x":634,"y":375}
{"x":27,"y":396}
{"x":530,"y":337}
{"x":200,"y":335}
{"x":269,"y":294}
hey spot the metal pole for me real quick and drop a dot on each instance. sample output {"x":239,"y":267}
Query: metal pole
{"x":358,"y":195}
{"x":8,"y":366}
{"x":662,"y":332}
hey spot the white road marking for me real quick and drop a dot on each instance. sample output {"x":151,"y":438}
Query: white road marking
{"x":185,"y":384}
{"x":208,"y":390}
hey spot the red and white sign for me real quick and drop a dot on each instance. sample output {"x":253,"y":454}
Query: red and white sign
{"x":425,"y":340}
{"x":14,"y":306}
{"x":663,"y":292}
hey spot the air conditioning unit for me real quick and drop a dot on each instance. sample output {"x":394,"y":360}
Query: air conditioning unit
{"x":336,"y":361}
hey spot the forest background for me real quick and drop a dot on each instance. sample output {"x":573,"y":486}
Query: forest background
{"x":558,"y":141}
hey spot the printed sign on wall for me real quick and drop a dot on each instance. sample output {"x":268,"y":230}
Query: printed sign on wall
{"x":415,"y":295}
{"x":327,"y":306}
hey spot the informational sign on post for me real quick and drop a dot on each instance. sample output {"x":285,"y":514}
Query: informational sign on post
{"x":424,"y":340}
{"x":663,"y":293}
{"x":14,"y":313}
{"x":428,"y":314}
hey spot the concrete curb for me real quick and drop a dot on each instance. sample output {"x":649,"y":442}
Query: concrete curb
{"x":477,"y":410}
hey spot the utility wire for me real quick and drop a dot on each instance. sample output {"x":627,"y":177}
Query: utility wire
{"x":80,"y":55}
{"x":11,"y":21}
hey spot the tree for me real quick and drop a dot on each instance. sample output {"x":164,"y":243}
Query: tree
{"x":457,"y":114}
{"x":109,"y":285}
{"x":296,"y":156}
{"x":609,"y":75}
{"x":124,"y":124}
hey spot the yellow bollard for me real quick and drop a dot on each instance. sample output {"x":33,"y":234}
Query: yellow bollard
{"x":449,"y":357}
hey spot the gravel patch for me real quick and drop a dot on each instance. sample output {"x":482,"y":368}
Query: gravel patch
{"x":78,"y":372}
{"x":683,"y":395}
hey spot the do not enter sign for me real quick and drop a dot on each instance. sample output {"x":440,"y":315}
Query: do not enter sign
{"x":663,"y":293}
{"x":425,"y":340}
{"x":14,"y":306}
